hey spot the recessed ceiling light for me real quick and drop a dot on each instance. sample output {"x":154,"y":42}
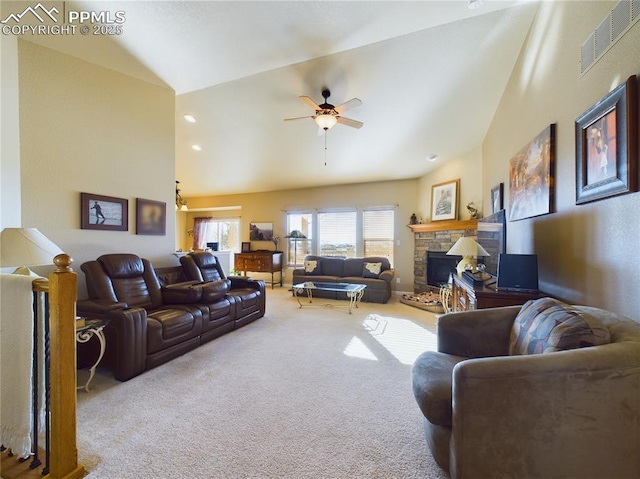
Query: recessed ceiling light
{"x":196,"y":147}
{"x":190,"y":118}
{"x":474,"y":4}
{"x":432,"y":157}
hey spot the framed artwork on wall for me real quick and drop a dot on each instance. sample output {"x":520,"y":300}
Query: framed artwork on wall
{"x":260,"y":231}
{"x":444,"y":200}
{"x":151,"y":217}
{"x":497,"y":198}
{"x":99,"y":212}
{"x":607,"y":146}
{"x":531,"y":177}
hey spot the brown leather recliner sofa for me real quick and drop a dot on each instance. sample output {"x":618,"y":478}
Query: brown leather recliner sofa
{"x":150,"y":324}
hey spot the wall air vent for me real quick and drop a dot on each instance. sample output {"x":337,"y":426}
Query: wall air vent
{"x":619,"y":21}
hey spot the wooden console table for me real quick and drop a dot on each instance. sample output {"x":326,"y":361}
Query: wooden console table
{"x":467,"y":296}
{"x":260,"y":262}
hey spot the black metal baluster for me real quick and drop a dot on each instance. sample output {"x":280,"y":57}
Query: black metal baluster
{"x":35,"y":462}
{"x":47,"y":384}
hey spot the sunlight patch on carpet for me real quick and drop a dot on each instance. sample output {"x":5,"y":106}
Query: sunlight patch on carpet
{"x":403,"y":338}
{"x":357,"y":349}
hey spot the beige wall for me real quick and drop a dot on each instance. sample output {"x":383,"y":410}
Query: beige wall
{"x":467,"y":168}
{"x":84,"y":128}
{"x":272,"y":207}
{"x":9,"y":134}
{"x":587,"y":254}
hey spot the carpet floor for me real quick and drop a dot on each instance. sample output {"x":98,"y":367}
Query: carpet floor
{"x":301,"y":393}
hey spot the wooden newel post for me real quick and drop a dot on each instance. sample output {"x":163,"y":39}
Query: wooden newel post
{"x":63,"y":293}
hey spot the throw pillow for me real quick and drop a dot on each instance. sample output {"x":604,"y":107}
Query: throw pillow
{"x":546,"y":325}
{"x":371,"y":270}
{"x":313,"y":267}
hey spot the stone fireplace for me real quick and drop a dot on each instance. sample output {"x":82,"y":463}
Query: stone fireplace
{"x":436,"y":238}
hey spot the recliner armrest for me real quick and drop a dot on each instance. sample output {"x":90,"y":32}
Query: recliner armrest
{"x":476,"y":334}
{"x":98,"y":308}
{"x":182,"y":293}
{"x":127,"y":342}
{"x":246,"y":282}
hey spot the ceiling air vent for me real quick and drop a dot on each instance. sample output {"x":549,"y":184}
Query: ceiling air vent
{"x":619,"y":21}
{"x":620,"y":18}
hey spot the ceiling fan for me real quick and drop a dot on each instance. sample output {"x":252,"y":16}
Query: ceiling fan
{"x":328,"y":115}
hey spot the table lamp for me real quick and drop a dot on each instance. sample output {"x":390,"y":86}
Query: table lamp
{"x":469,"y":249}
{"x":24,"y":247}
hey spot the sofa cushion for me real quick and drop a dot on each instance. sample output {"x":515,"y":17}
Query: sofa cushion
{"x":313,"y":267}
{"x":331,"y":266}
{"x":547,"y":325}
{"x":371,"y":270}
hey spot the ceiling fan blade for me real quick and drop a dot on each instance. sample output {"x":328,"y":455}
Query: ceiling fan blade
{"x":298,"y":118}
{"x":349,"y":122}
{"x":310,"y":102}
{"x":347,"y":105}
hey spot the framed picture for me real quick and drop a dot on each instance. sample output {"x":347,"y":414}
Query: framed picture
{"x":531,"y":177}
{"x":260,"y":231}
{"x":607,"y":146}
{"x":98,"y":212}
{"x":444,"y":200}
{"x":497,"y":198}
{"x":151,"y":217}
{"x":246,"y":246}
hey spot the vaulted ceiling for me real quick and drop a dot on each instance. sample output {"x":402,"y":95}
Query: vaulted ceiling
{"x":430,"y":75}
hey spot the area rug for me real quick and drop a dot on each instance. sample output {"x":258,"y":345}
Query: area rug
{"x":301,"y":393}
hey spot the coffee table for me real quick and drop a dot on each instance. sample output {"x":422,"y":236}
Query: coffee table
{"x":354,"y":291}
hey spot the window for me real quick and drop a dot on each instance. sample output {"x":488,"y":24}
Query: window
{"x":346,"y":233}
{"x":377,"y":234}
{"x":224,"y":231}
{"x":299,"y":237}
{"x":337,"y":234}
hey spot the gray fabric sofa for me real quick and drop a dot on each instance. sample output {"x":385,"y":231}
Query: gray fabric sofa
{"x":350,"y":270}
{"x":490,"y":411}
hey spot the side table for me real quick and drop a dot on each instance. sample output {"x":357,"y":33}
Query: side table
{"x":84,"y":332}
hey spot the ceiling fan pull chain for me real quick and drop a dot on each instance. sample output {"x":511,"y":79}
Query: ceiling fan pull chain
{"x":325,"y":147}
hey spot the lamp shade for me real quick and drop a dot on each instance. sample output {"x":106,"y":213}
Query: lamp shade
{"x":467,"y":246}
{"x":26,"y":247}
{"x":326,"y":121}
{"x":296,"y":234}
{"x":469,"y":249}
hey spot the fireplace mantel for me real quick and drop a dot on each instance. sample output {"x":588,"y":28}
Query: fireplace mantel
{"x":445,"y":226}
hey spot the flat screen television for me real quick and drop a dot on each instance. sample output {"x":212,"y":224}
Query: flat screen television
{"x":492,"y":236}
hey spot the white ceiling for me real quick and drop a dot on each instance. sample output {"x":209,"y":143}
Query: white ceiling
{"x":429,"y":73}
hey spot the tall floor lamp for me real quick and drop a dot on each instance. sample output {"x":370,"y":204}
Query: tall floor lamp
{"x":296,"y":235}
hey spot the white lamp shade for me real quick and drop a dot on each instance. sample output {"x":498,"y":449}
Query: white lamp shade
{"x":26,"y":247}
{"x":467,"y":246}
{"x":469,"y":249}
{"x":326,"y":121}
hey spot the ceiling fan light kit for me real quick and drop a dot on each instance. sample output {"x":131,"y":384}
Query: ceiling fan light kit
{"x":326,"y":115}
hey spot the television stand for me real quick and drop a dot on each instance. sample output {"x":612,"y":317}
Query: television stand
{"x":467,"y":297}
